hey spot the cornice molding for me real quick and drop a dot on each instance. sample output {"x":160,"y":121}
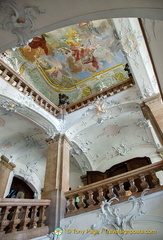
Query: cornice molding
{"x":6,"y":163}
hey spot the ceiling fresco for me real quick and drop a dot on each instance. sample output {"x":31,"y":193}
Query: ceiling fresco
{"x":77,"y":60}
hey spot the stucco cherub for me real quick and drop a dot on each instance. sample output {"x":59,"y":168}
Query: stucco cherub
{"x":100,"y":106}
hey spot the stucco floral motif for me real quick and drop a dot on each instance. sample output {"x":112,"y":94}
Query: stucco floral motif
{"x":122,"y":149}
{"x":27,"y":174}
{"x":129,"y":42}
{"x":19,"y":21}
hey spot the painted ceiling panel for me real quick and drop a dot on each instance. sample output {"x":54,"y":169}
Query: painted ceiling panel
{"x":77,"y":60}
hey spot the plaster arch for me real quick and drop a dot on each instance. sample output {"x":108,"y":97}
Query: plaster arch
{"x":82,"y":160}
{"x":29,"y":184}
{"x":71,"y":12}
{"x":11,"y":101}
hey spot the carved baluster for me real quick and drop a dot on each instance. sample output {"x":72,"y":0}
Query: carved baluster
{"x":4,"y":74}
{"x":34,"y":218}
{"x":111,"y":193}
{"x":25,"y":219}
{"x":143,"y":184}
{"x":54,"y":112}
{"x":91,"y":202}
{"x":81,"y":204}
{"x":132,"y":187}
{"x":71,"y":206}
{"x":42,"y":216}
{"x":42,"y":102}
{"x":47,"y":106}
{"x":12,"y":79}
{"x":37,"y":98}
{"x":50,"y":109}
{"x":121,"y":191}
{"x":155,"y":179}
{"x":4,"y":222}
{"x":17,"y":218}
{"x":100,"y":197}
{"x":31,"y":94}
{"x":14,"y":212}
{"x":19,"y":84}
{"x":25,"y":91}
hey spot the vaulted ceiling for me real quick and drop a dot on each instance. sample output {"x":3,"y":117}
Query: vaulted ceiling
{"x":77,"y":60}
{"x":98,"y":49}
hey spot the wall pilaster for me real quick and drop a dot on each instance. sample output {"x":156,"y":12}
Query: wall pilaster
{"x":152,"y":109}
{"x":56,"y":178}
{"x":5,"y":168}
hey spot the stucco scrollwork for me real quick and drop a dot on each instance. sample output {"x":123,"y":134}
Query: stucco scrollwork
{"x":27,"y":174}
{"x":19,"y":21}
{"x":9,"y":106}
{"x":111,"y":216}
{"x":143,"y":123}
{"x":122,"y":149}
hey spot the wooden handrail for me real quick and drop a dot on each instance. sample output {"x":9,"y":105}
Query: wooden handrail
{"x":89,"y":197}
{"x":22,"y":214}
{"x":23,"y":202}
{"x":121,"y":177}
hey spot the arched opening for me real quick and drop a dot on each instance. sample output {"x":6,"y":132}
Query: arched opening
{"x":19,"y":185}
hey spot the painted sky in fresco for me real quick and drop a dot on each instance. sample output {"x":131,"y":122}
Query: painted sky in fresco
{"x":77,"y":60}
{"x":69,"y":55}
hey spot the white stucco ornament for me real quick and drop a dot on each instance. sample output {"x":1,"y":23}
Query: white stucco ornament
{"x":31,"y":167}
{"x":111,"y":216}
{"x":19,"y":21}
{"x":122,"y":150}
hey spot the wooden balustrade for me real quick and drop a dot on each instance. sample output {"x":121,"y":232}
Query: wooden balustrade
{"x":21,"y":214}
{"x":19,"y":83}
{"x":105,"y":93}
{"x":91,"y":196}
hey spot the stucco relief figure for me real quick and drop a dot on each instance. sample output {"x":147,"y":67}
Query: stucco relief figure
{"x":100,"y":107}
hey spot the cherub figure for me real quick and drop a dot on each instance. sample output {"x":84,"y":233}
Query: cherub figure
{"x":100,"y":106}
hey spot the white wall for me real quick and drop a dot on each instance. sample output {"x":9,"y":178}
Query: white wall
{"x":149,"y":218}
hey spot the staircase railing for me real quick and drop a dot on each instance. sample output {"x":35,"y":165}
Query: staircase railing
{"x":89,"y":197}
{"x":19,"y":215}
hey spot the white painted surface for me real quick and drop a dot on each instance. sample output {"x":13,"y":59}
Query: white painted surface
{"x":152,"y":219}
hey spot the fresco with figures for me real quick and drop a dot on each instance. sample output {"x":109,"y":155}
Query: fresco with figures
{"x":77,"y":60}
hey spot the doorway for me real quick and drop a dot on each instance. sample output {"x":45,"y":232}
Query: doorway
{"x":19,"y":185}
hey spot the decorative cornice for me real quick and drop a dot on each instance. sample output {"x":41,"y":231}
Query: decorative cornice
{"x":6,"y":163}
{"x":111,"y":216}
{"x":160,"y":152}
{"x":53,"y":139}
{"x":154,"y":99}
